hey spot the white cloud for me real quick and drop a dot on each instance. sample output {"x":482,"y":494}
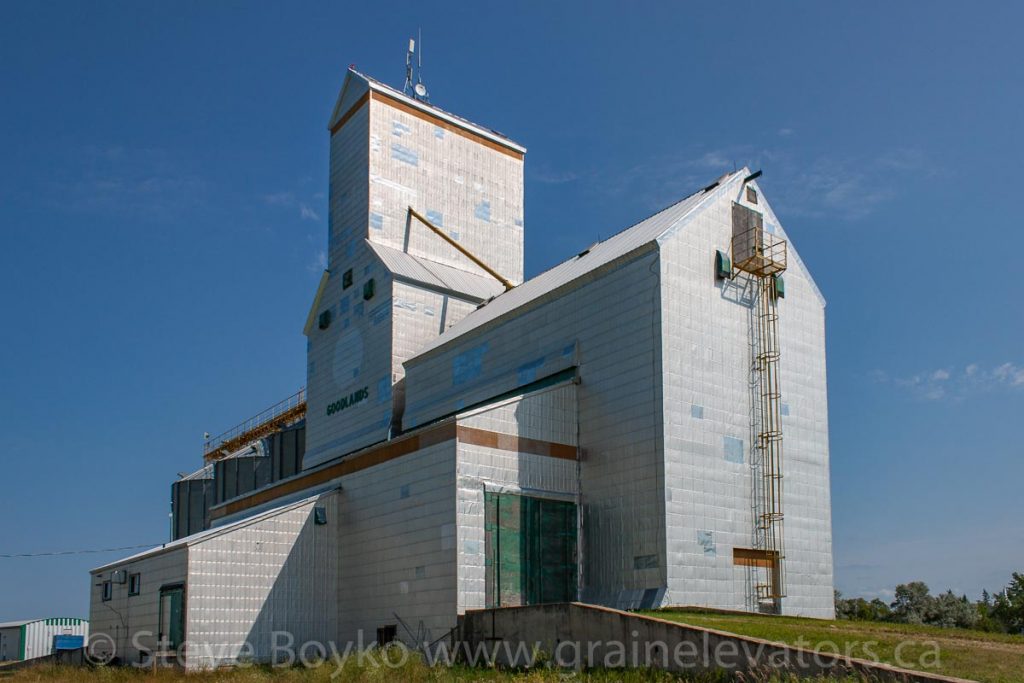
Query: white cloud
{"x":319,"y":262}
{"x":289,"y":200}
{"x":549,"y":177}
{"x":957,"y":384}
{"x":1010,"y":374}
{"x":306,"y":212}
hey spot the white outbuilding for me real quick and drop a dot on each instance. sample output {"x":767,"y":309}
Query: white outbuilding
{"x":33,"y":638}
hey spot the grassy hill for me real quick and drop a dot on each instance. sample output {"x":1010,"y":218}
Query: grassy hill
{"x":986,"y":657}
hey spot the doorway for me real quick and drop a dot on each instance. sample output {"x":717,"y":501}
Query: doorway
{"x":530,"y":550}
{"x":172,"y":617}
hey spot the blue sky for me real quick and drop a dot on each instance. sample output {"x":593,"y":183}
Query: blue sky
{"x":163,"y":198}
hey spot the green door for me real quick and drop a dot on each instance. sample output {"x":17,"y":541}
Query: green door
{"x":531,"y":550}
{"x":172,"y":617}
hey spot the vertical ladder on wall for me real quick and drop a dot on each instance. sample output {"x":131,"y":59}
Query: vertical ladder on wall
{"x":762,"y":255}
{"x":768,"y":446}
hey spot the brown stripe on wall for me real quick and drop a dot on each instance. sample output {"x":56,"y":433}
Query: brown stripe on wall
{"x":438,"y":121}
{"x":350,"y":113}
{"x":516,"y":444}
{"x":752,"y":557}
{"x":377,"y":455}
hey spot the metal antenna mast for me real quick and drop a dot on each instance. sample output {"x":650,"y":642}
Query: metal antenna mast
{"x":419,"y":91}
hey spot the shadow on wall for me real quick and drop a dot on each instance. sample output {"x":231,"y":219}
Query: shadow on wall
{"x":296,"y":587}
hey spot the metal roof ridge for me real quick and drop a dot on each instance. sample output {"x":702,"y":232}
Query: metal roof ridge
{"x":426,"y":106}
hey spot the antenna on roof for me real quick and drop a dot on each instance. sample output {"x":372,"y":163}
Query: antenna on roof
{"x":419,"y":91}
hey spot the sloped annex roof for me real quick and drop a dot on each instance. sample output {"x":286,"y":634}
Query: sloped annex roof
{"x":599,"y":254}
{"x":16,"y":624}
{"x":212,"y":532}
{"x":405,"y":266}
{"x":375,"y":85}
{"x":25,"y":622}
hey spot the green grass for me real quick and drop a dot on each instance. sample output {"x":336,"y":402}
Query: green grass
{"x":414,"y":671}
{"x":987,"y":657}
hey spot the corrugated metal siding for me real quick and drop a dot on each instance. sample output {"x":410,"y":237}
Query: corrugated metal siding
{"x":609,"y":326}
{"x":600,"y":254}
{"x":39,"y":634}
{"x":278,"y":573}
{"x":471,"y":191}
{"x":547,"y":415}
{"x":115,"y":622}
{"x":707,"y":365}
{"x":398,"y":552}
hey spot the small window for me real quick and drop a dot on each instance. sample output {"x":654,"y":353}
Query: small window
{"x":319,"y":515}
{"x":723,"y":266}
{"x":780,"y":286}
{"x":108,"y":591}
{"x":368,"y":289}
{"x":387,"y":634}
{"x":134,"y":584}
{"x":346,"y":279}
{"x":325,"y":319}
{"x":751,"y":195}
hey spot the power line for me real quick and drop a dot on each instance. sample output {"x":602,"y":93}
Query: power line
{"x":78,"y":552}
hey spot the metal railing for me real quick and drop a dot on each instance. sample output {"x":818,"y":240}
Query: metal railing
{"x":759,"y":252}
{"x":266,"y":421}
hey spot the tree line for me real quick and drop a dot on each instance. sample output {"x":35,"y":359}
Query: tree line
{"x":914,"y":604}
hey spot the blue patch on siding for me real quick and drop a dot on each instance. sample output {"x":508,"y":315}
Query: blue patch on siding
{"x":358,"y":309}
{"x":384,"y":389}
{"x":349,"y":249}
{"x":439,"y":132}
{"x":355,"y":372}
{"x":453,"y":234}
{"x":483,"y":211}
{"x":519,"y":222}
{"x":436,"y":217}
{"x":527,"y":372}
{"x":381,"y":312}
{"x":697,"y":411}
{"x":706,"y":539}
{"x":398,"y":129}
{"x":468,"y":365}
{"x":343,"y":306}
{"x":733,"y":449}
{"x":568,"y":350}
{"x":404,"y":154}
{"x":427,"y":310}
{"x":368,"y":269}
{"x":407,"y":305}
{"x":785,"y":409}
{"x":376,"y":221}
{"x":403,"y":492}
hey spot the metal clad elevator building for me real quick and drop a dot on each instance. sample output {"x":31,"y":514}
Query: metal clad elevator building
{"x":610,"y":431}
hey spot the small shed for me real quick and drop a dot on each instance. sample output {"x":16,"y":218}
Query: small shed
{"x":32,"y":638}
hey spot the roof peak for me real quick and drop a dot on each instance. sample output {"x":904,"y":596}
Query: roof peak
{"x":394,"y":93}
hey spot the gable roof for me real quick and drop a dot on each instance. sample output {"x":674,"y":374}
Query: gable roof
{"x":356,"y":84}
{"x":433,"y":275}
{"x":600,"y":254}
